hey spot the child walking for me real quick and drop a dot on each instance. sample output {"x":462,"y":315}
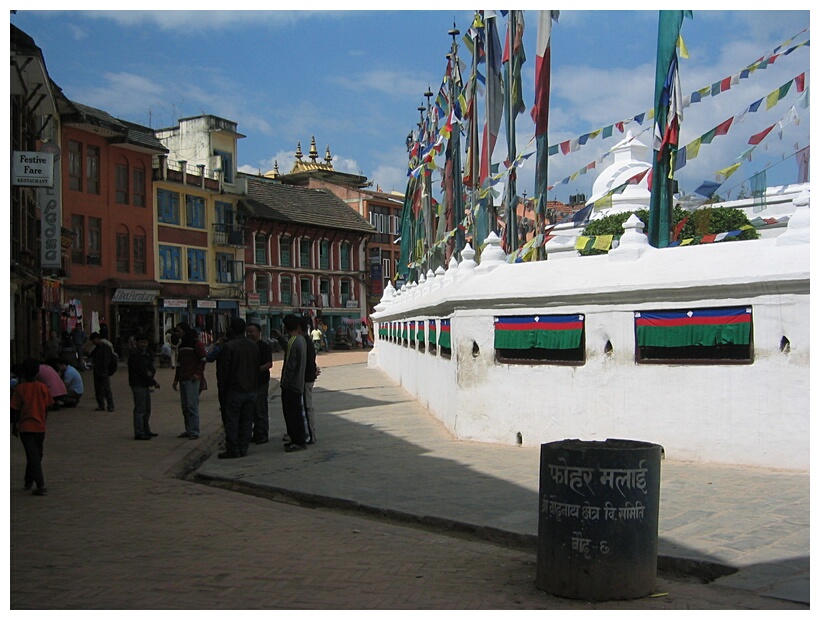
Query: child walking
{"x":29,"y":406}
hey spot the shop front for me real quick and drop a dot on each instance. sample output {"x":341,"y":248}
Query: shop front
{"x":211,"y":318}
{"x":135,"y":312}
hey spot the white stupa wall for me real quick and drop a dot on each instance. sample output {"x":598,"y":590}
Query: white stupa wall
{"x":753,"y":414}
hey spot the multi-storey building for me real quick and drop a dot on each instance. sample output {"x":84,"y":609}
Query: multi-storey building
{"x":381,"y":209}
{"x":308,"y":254}
{"x":36,"y":266}
{"x":200,"y":237}
{"x":108,"y":204}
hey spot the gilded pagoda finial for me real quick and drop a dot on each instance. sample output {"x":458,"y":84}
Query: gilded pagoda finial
{"x":313,"y":152}
{"x":299,"y":150}
{"x":328,"y":157}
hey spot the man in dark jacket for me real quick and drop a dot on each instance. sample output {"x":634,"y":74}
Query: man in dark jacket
{"x":141,"y":373}
{"x":237,"y":376}
{"x":261,"y":420}
{"x":103,"y":358}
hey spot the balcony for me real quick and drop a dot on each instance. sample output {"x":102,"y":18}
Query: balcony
{"x":232,"y":235}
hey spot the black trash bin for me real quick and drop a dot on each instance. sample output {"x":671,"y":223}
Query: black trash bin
{"x":598,"y":519}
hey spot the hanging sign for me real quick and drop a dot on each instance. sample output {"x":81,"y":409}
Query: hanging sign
{"x":32,"y":168}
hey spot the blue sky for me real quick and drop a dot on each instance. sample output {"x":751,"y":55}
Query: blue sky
{"x":354,"y":79}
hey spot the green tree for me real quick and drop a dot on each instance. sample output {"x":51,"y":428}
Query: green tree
{"x":698,"y":223}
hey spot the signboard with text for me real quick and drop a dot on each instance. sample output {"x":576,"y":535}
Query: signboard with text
{"x":32,"y":168}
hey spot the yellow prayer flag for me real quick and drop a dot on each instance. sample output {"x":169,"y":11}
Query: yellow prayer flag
{"x":602,"y":242}
{"x":684,"y":53}
{"x":581,"y":242}
{"x":692,"y":149}
{"x":727,"y":172}
{"x":772,"y":98}
{"x":603,"y":202}
{"x":686,"y":241}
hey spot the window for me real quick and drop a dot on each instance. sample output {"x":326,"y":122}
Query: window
{"x":139,"y":252}
{"x":92,"y":169}
{"x":324,"y":293}
{"x":444,"y":343}
{"x":75,"y":165}
{"x":262,"y":284}
{"x":304,"y":253}
{"x":227,"y":165}
{"x":121,"y":184}
{"x":285,"y":291}
{"x":170,"y":263}
{"x":696,"y":336}
{"x":167,"y":206}
{"x":138,"y":186}
{"x":94,"y":240}
{"x":324,"y":254}
{"x":387,"y":266}
{"x":123,"y":250}
{"x":196,"y":265}
{"x":344,"y":290}
{"x":260,"y":244}
{"x":394,"y":225}
{"x":78,"y":245}
{"x":228,"y":269}
{"x":345,"y":257}
{"x":284,"y":251}
{"x":305,"y":296}
{"x":539,"y":339}
{"x":195,"y":211}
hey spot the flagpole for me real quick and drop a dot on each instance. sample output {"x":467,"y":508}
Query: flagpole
{"x":455,"y":139}
{"x":512,"y":225}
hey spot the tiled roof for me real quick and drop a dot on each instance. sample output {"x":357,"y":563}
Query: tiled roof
{"x":131,"y":133}
{"x":301,"y":205}
{"x":142,"y":136}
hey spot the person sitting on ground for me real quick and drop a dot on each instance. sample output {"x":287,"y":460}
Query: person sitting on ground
{"x":48,"y":375}
{"x":73,"y":383}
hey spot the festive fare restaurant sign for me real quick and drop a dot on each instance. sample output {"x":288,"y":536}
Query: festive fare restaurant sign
{"x":32,"y":168}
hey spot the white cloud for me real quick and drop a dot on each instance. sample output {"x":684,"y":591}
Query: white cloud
{"x":393,"y":83}
{"x":77,"y":32}
{"x":196,"y":21}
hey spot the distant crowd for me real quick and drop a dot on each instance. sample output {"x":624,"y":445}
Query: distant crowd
{"x":243,"y":361}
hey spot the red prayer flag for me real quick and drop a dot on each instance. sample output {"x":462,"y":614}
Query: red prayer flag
{"x":758,"y":138}
{"x":708,"y":238}
{"x":800,"y":82}
{"x":565,"y":147}
{"x":725,"y":84}
{"x":723,"y":128}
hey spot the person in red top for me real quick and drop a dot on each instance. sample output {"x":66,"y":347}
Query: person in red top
{"x":30,"y":401}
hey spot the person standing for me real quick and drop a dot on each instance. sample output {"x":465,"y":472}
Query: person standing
{"x":78,"y":340}
{"x":237,"y":375}
{"x":316,"y":337}
{"x":73,"y":383}
{"x":261,"y":418}
{"x":365,"y":335}
{"x":53,"y":346}
{"x":104,"y":362}
{"x":293,"y":385}
{"x":190,"y":377}
{"x":312,"y":372}
{"x":30,"y":401}
{"x":141,"y":373}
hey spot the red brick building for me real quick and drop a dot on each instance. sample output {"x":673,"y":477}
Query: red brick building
{"x":108,"y":205}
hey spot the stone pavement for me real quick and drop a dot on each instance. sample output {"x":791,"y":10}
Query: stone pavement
{"x":120,"y":528}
